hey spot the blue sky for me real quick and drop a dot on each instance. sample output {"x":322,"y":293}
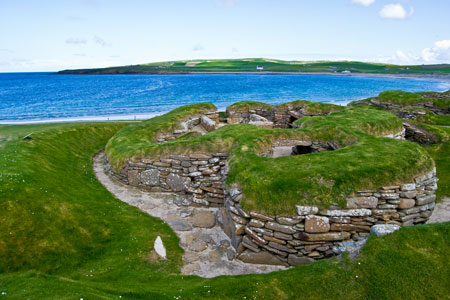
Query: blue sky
{"x":48,"y":35}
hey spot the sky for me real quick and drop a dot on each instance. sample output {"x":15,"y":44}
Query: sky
{"x":51,"y":35}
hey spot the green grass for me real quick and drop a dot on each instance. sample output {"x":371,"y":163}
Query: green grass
{"x":247,"y":105}
{"x":411,"y":99}
{"x":64,"y":236}
{"x":275,"y":186}
{"x":270,"y":65}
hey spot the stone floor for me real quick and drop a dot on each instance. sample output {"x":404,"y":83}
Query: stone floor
{"x":441,"y":212}
{"x":207,"y":250}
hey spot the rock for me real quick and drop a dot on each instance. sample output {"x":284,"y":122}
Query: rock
{"x":150,"y":177}
{"x":159,"y":247}
{"x":203,"y":219}
{"x":281,"y":228}
{"x":215,"y":255}
{"x":190,"y":257}
{"x":262,"y":257}
{"x":317,"y":224}
{"x":383,"y":229}
{"x":362,"y":202}
{"x":329,"y":236}
{"x":261,"y":216}
{"x":349,"y":227}
{"x":347,"y":212}
{"x":207,"y":123}
{"x":189,"y":269}
{"x":408,"y":187}
{"x":307,"y":210}
{"x":181,"y":200}
{"x":177,"y":183}
{"x":133,"y":179}
{"x":179,"y":225}
{"x":295,"y":260}
{"x":406,"y":203}
{"x":197,"y":245}
{"x":256,"y":223}
{"x":353,"y":247}
{"x":257,"y":118}
{"x":425,"y":199}
{"x":231,"y":254}
{"x":185,"y":213}
{"x":409,"y":194}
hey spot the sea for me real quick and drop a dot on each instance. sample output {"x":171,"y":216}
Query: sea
{"x":46,"y":97}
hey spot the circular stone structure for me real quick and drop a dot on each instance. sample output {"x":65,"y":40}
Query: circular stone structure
{"x":294,"y":182}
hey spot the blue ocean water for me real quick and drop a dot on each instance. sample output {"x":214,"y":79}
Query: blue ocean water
{"x":31,"y":97}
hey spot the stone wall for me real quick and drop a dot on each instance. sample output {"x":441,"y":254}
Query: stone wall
{"x":201,"y":176}
{"x":277,"y":117}
{"x":315,"y":233}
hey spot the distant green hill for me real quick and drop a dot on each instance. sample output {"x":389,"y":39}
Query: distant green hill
{"x":265,"y":65}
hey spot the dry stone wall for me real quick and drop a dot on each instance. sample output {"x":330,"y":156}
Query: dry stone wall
{"x":315,"y":233}
{"x":201,"y":176}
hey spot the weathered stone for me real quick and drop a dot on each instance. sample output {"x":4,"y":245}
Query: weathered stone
{"x":282,"y":236}
{"x":202,"y":156}
{"x":389,"y":196}
{"x":207,"y":123}
{"x":198,"y":245}
{"x":203,"y":219}
{"x":247,"y":243}
{"x":362,"y":202}
{"x":347,"y":212}
{"x":383,"y":229}
{"x":177,"y":183}
{"x":212,"y":190}
{"x":256,"y":223}
{"x":425,"y":199}
{"x":150,"y":177}
{"x":408,"y":187}
{"x":215,"y":255}
{"x":242,"y":212}
{"x":409,"y":194}
{"x":200,"y":201}
{"x":329,"y":236}
{"x":179,"y":225}
{"x":406,"y":203}
{"x":317,"y":224}
{"x":295,"y":260}
{"x":238,"y":219}
{"x":261,"y":216}
{"x":255,"y":237}
{"x":133,"y":179}
{"x":262,"y":257}
{"x":281,"y":228}
{"x":281,"y":247}
{"x":190,"y":257}
{"x":275,"y":240}
{"x":344,"y":220}
{"x":307,"y":210}
{"x":349,"y":227}
{"x":287,"y":221}
{"x":391,"y":187}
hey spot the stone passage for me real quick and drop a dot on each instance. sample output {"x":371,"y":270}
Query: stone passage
{"x":319,"y":233}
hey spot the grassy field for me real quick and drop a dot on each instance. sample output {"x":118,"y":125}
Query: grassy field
{"x":63,"y":236}
{"x":269,"y":65}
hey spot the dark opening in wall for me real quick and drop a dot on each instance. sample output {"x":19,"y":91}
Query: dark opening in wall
{"x":298,"y":150}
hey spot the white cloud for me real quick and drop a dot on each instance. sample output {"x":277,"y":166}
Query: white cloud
{"x":365,"y":3}
{"x":439,"y":53}
{"x":395,"y":11}
{"x":76,"y":41}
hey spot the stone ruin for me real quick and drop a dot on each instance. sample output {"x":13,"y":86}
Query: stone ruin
{"x":288,"y":240}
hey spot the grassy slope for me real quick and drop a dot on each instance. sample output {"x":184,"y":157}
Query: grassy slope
{"x":72,"y":239}
{"x":270,"y":65}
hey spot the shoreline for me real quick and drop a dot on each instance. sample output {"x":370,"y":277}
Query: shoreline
{"x":377,"y":75}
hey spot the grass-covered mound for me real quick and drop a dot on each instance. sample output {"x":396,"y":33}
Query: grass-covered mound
{"x":405,"y":99}
{"x":307,"y":107}
{"x":64,"y":236}
{"x":275,"y":185}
